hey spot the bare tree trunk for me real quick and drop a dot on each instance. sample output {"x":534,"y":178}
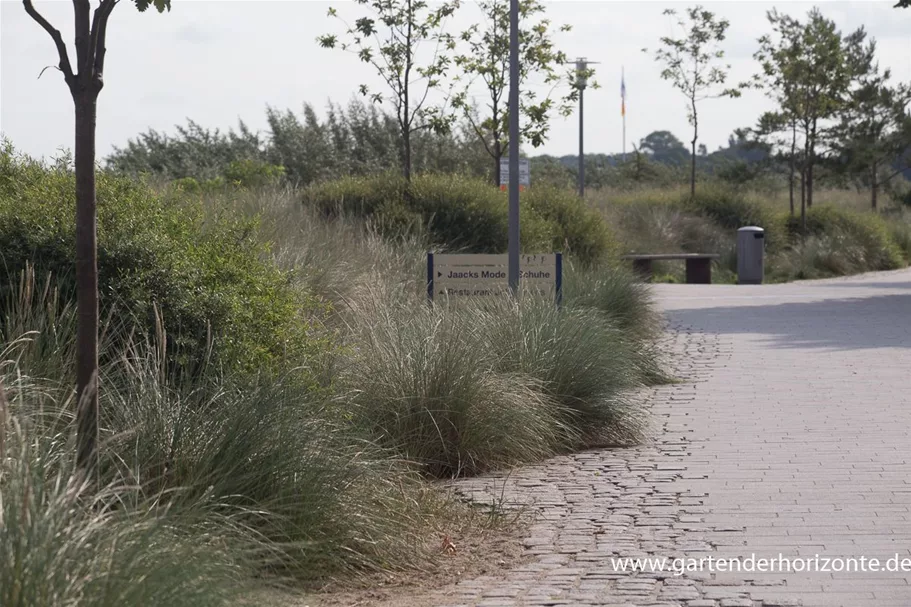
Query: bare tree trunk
{"x":498,"y":154}
{"x":693,"y":172}
{"x":406,"y":124}
{"x":87,"y":379}
{"x":804,"y":168}
{"x":811,"y":161}
{"x":803,"y":201}
{"x":810,"y":185}
{"x":874,"y":185}
{"x":406,"y":169}
{"x":693,"y":154}
{"x":793,"y":159}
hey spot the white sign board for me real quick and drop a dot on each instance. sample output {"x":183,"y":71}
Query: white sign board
{"x":481,"y":275}
{"x":524,"y":172}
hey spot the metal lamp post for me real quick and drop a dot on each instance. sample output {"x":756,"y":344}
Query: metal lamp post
{"x":581,"y":82}
{"x":513,"y":246}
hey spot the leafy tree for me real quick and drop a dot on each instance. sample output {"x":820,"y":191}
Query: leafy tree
{"x":486,"y":63}
{"x":874,"y":129}
{"x":809,"y":69}
{"x":357,"y":139}
{"x":663,"y":146}
{"x":641,"y":167}
{"x":85,"y":83}
{"x":692,"y":64}
{"x":388,"y":39}
{"x":778,"y":131}
{"x":194,"y":151}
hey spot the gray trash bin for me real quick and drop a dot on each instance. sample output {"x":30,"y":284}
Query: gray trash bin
{"x":750,"y":248}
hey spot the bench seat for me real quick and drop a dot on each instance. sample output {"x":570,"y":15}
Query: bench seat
{"x":698,"y":265}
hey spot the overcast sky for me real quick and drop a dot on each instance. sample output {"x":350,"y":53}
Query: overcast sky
{"x":219,"y":61}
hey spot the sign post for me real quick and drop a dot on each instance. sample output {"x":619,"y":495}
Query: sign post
{"x":460,"y":277}
{"x":524,"y":174}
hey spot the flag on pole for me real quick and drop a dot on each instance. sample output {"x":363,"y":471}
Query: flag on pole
{"x":622,"y":93}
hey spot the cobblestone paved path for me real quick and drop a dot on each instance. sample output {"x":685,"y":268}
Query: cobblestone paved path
{"x":790,"y":436}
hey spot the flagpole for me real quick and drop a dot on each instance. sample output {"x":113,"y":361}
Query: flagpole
{"x":623,"y":85}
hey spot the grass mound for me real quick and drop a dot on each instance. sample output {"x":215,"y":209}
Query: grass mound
{"x":469,"y":387}
{"x":838,"y":242}
{"x":423,"y":381}
{"x":580,"y":358}
{"x":732,"y":210}
{"x":466,"y":214}
{"x":63,"y":542}
{"x":214,"y":482}
{"x":245,"y":478}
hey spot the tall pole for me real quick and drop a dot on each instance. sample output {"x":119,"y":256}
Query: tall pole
{"x":623,"y":107}
{"x":513,"y":270}
{"x":581,"y":82}
{"x":624,"y":139}
{"x":581,"y":144}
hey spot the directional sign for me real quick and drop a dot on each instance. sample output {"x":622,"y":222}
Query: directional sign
{"x":524,"y":173}
{"x":480,"y":275}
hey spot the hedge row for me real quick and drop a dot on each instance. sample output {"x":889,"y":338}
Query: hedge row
{"x":207,"y":277}
{"x":467,"y":214}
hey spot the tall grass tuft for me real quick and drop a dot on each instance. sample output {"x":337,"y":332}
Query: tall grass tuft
{"x":582,"y":360}
{"x":424,"y":381}
{"x":840,"y":242}
{"x":618,"y":294}
{"x":270,"y":473}
{"x":462,"y":387}
{"x":66,"y":541}
{"x":275,"y":457}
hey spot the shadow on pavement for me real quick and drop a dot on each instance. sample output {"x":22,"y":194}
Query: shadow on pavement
{"x":878,"y":321}
{"x":872,"y":285}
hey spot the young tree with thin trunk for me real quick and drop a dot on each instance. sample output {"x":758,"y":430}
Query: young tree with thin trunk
{"x":778,"y":129}
{"x":389,"y":39}
{"x":85,"y":79}
{"x":873,"y":130}
{"x":810,"y":68}
{"x":693,"y":64}
{"x":485,"y":63}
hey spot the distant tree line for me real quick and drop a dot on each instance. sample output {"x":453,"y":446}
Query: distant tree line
{"x":839,"y":119}
{"x":359,"y":139}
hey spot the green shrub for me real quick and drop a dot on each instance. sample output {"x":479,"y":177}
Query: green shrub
{"x":268,"y":473}
{"x":580,"y":231}
{"x":189,"y":185}
{"x":423,"y":381}
{"x":207,"y":277}
{"x":465,"y":213}
{"x":582,"y":360}
{"x":249,"y":173}
{"x":66,"y":541}
{"x":853,"y":241}
{"x":900,"y":233}
{"x":617,"y":293}
{"x":732,"y":210}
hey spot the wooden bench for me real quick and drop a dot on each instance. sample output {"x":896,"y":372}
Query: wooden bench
{"x":698,"y":265}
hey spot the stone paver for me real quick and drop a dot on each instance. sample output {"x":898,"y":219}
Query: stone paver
{"x":790,"y":436}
